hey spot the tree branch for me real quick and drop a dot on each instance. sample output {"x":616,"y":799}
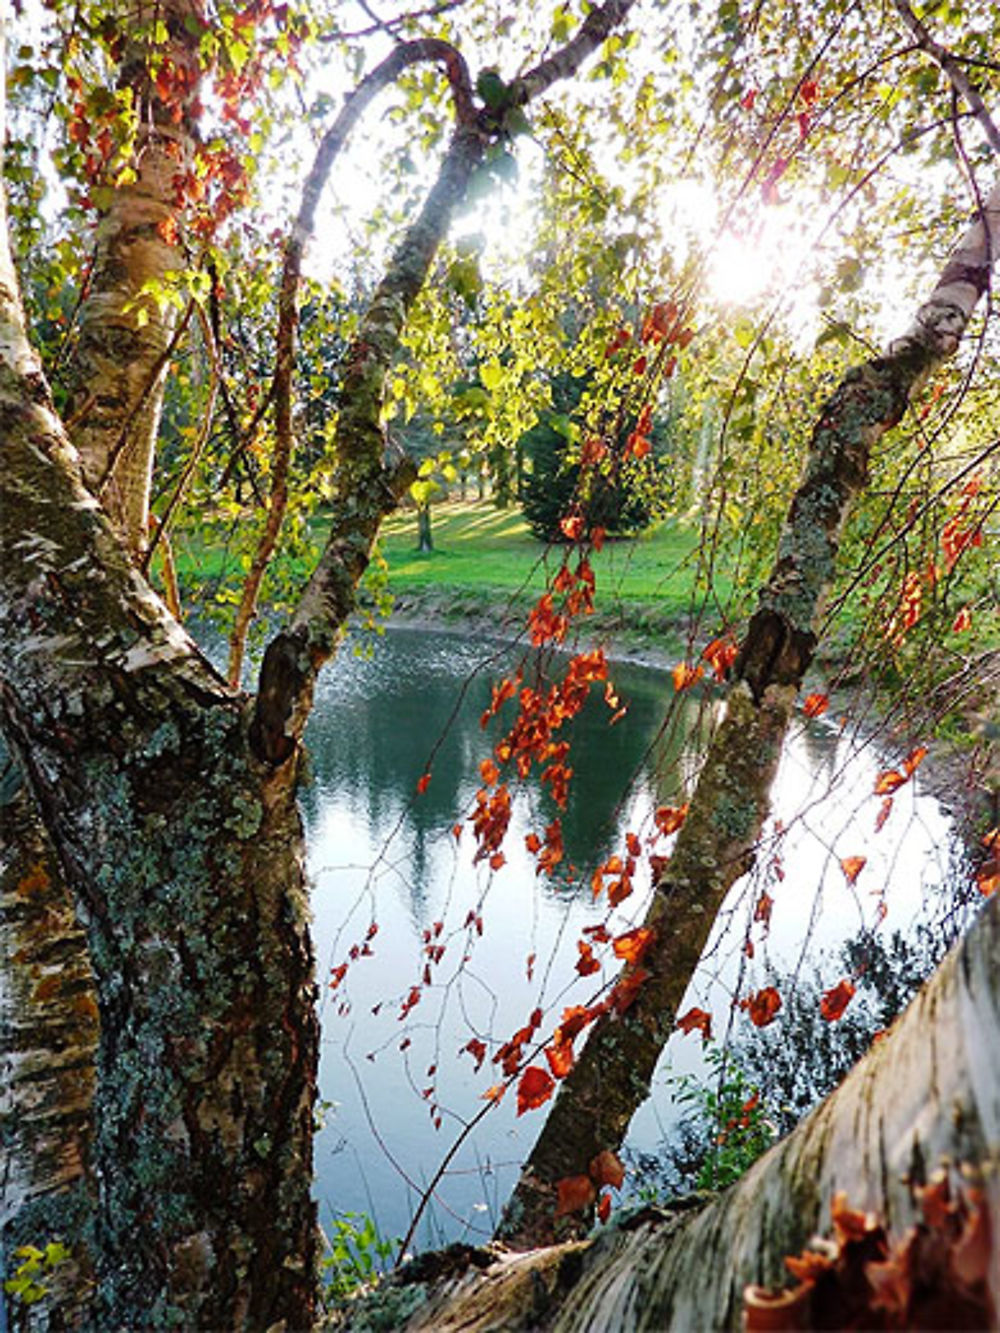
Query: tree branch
{"x":367,"y":489}
{"x":953,"y":68}
{"x":409,"y":53}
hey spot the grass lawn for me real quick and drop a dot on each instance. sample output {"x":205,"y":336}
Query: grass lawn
{"x":482,"y":550}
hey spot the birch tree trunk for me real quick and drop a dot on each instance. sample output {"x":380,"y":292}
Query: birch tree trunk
{"x":120,"y":361}
{"x":731,"y":800}
{"x":48,"y":1036}
{"x":925,"y":1096}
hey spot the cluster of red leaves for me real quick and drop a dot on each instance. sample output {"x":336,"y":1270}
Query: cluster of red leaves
{"x":531,"y":740}
{"x":490,"y":820}
{"x":720,"y":655}
{"x":959,"y":532}
{"x":356,"y":951}
{"x":935,"y":1276}
{"x":575,"y":1193}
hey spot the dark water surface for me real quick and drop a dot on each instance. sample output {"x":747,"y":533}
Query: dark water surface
{"x":380,"y":853}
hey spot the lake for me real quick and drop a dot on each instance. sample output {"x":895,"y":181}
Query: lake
{"x":396,"y":1083}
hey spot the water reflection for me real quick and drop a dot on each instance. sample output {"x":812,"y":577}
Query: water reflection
{"x":401,"y":1088}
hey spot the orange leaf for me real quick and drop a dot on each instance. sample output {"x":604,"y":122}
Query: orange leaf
{"x":534,"y":1089}
{"x":763,"y":1006}
{"x":624,"y":993}
{"x":884,"y":811}
{"x":574,"y":1193}
{"x":685,"y":676}
{"x":962,"y":622}
{"x":604,"y":1207}
{"x":497,"y":860}
{"x":889,"y":781}
{"x":423,"y":783}
{"x":669,"y":818}
{"x":495,"y":1093}
{"x":586,"y":963}
{"x":477,"y":1049}
{"x":560,"y":1058}
{"x":533,"y":842}
{"x":633,"y":944}
{"x":762,"y":909}
{"x":696,"y":1020}
{"x":835,"y":1001}
{"x":572,"y":527}
{"x":720,"y":655}
{"x":606,"y":1169}
{"x":852,"y":867}
{"x":914,"y":759}
{"x":815,"y":705}
{"x":489,"y":772}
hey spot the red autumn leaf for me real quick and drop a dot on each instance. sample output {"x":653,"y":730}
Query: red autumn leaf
{"x":423,"y":783}
{"x":884,"y":811}
{"x":631,"y":946}
{"x":640,"y":366}
{"x":809,"y":92}
{"x":748,"y":99}
{"x":762,"y":909}
{"x":815,"y":705}
{"x":669,"y":818}
{"x":477,"y":1049}
{"x":852,"y":867}
{"x":534,"y":1089}
{"x":633,"y":844}
{"x":685,"y":676}
{"x":696,"y":1020}
{"x":533,"y":842}
{"x":574,"y":1193}
{"x":962,"y":622}
{"x":497,"y":860}
{"x":763,"y":1006}
{"x":489,"y":772}
{"x":571,"y":527}
{"x":337,"y":974}
{"x":574,"y":1020}
{"x":604,"y":1207}
{"x":720,"y":655}
{"x":889,"y":781}
{"x":835,"y":1001}
{"x":560,"y":1058}
{"x":914,"y":759}
{"x":606,"y":1169}
{"x":494,"y":1093}
{"x":586,"y":963}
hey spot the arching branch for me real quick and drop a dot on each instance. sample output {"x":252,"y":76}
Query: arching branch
{"x":409,"y":53}
{"x":367,"y":488}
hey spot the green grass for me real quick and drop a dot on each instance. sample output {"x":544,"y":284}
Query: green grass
{"x":480,"y":549}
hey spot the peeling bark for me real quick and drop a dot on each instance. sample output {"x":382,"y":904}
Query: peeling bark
{"x":48,"y":1036}
{"x":927,"y":1094}
{"x":731,"y":799}
{"x":119,"y":364}
{"x":185,"y":858}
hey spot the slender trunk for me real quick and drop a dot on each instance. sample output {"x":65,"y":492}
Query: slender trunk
{"x":924,"y":1097}
{"x":730,"y":803}
{"x":425,"y":538}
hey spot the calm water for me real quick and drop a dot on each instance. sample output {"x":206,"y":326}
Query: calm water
{"x":380,"y":853}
